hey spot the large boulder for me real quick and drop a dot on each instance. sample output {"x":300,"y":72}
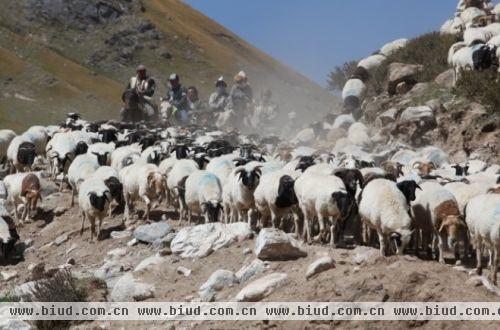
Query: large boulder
{"x":446,"y":79}
{"x":423,"y":115}
{"x":401,"y":72}
{"x":152,"y":232}
{"x":387,"y":117}
{"x":200,"y":241}
{"x":14,"y":325}
{"x":275,"y":244}
{"x":261,"y":288}
{"x":128,"y":288}
{"x":219,"y":280}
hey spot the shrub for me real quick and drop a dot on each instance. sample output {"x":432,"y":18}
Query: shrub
{"x":482,"y":87}
{"x":430,"y":50}
{"x":9,"y":298}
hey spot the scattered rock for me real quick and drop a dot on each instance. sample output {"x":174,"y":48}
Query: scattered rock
{"x":364,"y":254}
{"x":152,"y":232}
{"x":71,"y":261}
{"x":37,"y":271}
{"x":61,"y":239}
{"x":25,"y":289}
{"x":257,"y":266}
{"x":261,"y":288}
{"x":116,"y":254}
{"x":219,"y":279}
{"x":6,"y":275}
{"x":109,"y":270}
{"x":388,"y":116}
{"x":274,"y":244}
{"x":446,"y":79}
{"x":120,"y":234}
{"x":128,"y":288}
{"x":164,"y":242}
{"x":320,"y":265}
{"x":60,"y":210}
{"x":148,"y":262}
{"x":474,"y":281}
{"x":184,"y":271}
{"x":72,"y":248}
{"x":247,"y":251}
{"x":165,"y":252}
{"x":200,"y":241}
{"x":132,"y":242}
{"x":14,"y":325}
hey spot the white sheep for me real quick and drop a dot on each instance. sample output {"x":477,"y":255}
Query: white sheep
{"x":94,"y":199}
{"x":142,"y":181}
{"x":384,"y":208}
{"x":82,"y":167}
{"x":39,"y":136}
{"x":372,"y":62}
{"x":393,"y":46}
{"x":110,"y":177}
{"x":21,"y":153}
{"x":203,"y":195}
{"x":453,"y":49}
{"x":483,"y":220}
{"x":275,"y":196}
{"x":354,"y":88}
{"x":469,"y":14}
{"x":181,"y":170}
{"x":8,"y":234}
{"x":102,"y":151}
{"x":464,"y":192}
{"x":152,"y":155}
{"x":437,"y":214}
{"x":322,"y":197}
{"x":6,"y":136}
{"x":238,"y":192}
{"x":125,"y":156}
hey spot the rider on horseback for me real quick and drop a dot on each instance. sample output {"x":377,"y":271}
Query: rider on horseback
{"x":144,"y":88}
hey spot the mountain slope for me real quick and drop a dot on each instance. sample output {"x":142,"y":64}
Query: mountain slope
{"x":76,"y":55}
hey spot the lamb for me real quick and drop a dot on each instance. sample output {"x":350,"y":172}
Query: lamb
{"x":238,"y":192}
{"x":203,"y":194}
{"x":25,"y":189}
{"x":275,"y":196}
{"x":180,"y":171}
{"x":483,"y":220}
{"x":142,"y":181}
{"x":353,"y":93}
{"x":94,"y":199}
{"x":6,"y":136}
{"x":8,"y":234}
{"x":21,"y":153}
{"x":383,"y":207}
{"x":437,"y":213}
{"x":82,"y":167}
{"x":102,"y":151}
{"x":322,"y":197}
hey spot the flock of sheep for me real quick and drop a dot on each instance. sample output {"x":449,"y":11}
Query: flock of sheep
{"x":403,"y":197}
{"x":476,"y":24}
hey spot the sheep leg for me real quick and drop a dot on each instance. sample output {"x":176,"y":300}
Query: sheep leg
{"x":148,"y":208}
{"x":99,"y":225}
{"x":126,"y":215}
{"x":190,"y":214}
{"x":73,"y":190}
{"x":383,"y":243}
{"x":416,"y":241}
{"x":494,"y":265}
{"x":479,"y":255}
{"x":83,"y":223}
{"x":332,"y":234}
{"x":24,"y":216}
{"x":92,"y":228}
{"x":441,"y":248}
{"x":297,"y":224}
{"x":321,"y":221}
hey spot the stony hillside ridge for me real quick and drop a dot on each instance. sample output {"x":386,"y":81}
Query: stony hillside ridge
{"x":58,"y":56}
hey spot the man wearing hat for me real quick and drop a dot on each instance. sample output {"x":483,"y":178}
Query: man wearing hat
{"x":177,"y":97}
{"x":218,"y":99}
{"x":240,"y":98}
{"x":144,"y":86}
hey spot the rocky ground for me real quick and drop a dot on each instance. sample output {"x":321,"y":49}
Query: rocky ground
{"x":166,"y":261}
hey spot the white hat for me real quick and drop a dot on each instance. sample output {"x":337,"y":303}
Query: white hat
{"x":173,"y":76}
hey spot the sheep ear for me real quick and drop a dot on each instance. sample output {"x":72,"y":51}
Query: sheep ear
{"x":418,"y":187}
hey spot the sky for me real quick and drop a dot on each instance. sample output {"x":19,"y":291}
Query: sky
{"x":313,"y":36}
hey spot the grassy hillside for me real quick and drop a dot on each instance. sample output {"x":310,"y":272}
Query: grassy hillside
{"x":76,"y":55}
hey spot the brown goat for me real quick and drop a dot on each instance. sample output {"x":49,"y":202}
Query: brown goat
{"x":31,"y":193}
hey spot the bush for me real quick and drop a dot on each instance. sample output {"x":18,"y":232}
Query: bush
{"x":9,"y":298}
{"x":430,"y":50}
{"x":482,"y":87}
